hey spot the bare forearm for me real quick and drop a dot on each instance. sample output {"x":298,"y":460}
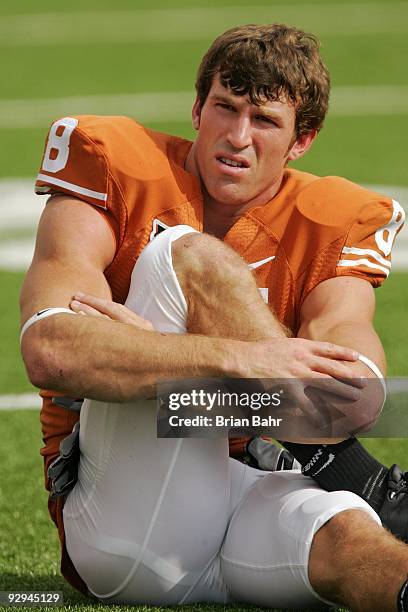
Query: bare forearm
{"x":362,"y":337}
{"x":358,"y":335}
{"x":112,"y":361}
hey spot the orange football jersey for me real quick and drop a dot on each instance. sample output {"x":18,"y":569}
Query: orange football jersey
{"x":312,"y":230}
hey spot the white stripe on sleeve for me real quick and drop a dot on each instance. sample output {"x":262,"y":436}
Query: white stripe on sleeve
{"x":72,"y":187}
{"x":369,"y":252}
{"x":354,"y":263}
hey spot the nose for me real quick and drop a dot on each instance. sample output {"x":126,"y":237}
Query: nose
{"x":239,"y":133}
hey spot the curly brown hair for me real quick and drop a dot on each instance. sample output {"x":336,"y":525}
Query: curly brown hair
{"x":270,"y":62}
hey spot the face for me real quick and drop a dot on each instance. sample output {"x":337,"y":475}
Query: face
{"x":241,"y":149}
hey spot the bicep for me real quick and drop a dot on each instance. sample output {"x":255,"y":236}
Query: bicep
{"x":341,"y":310}
{"x":73,"y":248}
{"x":338,"y":300}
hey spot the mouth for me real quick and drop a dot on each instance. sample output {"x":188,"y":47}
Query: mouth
{"x":234,"y":164}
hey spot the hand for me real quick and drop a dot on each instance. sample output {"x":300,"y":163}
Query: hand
{"x":297,"y":358}
{"x":299,"y":366}
{"x":84,"y":303}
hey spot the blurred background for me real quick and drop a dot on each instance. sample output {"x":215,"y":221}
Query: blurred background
{"x":139,"y":58}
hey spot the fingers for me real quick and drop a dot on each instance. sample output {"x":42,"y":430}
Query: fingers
{"x":96,"y":306}
{"x":87,"y":310}
{"x":330,"y":385}
{"x":102,"y":305}
{"x":303,"y":412}
{"x":334,"y":351}
{"x":338,"y":370}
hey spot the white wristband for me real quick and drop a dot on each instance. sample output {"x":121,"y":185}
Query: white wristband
{"x":43,"y":314}
{"x":376,"y":370}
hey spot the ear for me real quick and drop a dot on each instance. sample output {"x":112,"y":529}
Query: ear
{"x":196,"y":114}
{"x":301,"y":145}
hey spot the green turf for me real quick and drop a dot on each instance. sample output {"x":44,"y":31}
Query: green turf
{"x":362,"y":149}
{"x":124,"y":68}
{"x":127,"y":68}
{"x":390,"y":322}
{"x":42,"y":6}
{"x":363,"y":61}
{"x":12,"y":375}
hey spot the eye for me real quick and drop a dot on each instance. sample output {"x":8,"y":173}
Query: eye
{"x":266,"y":120}
{"x":225,"y":106}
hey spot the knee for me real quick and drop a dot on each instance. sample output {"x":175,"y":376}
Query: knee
{"x":340,"y":531}
{"x":333,"y":551}
{"x":201,"y":260}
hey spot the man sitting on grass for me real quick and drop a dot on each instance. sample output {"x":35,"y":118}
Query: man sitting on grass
{"x":166,"y":521}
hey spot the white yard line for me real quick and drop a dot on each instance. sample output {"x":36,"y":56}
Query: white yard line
{"x":185,"y":24}
{"x":156,"y":106}
{"x":176,"y":106}
{"x":16,"y":255}
{"x":20,"y":209}
{"x":360,"y":101}
{"x":21,"y":401}
{"x":32,"y":401}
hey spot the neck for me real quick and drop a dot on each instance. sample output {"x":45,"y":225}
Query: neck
{"x":219,"y":217}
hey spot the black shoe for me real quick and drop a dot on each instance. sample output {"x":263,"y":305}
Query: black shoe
{"x":394,"y":511}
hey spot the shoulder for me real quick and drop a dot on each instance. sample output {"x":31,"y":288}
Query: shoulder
{"x":333,"y":206}
{"x":99,"y":158}
{"x":330,"y":226}
{"x":337,"y":202}
{"x":327,"y":205}
{"x":123,"y":141}
{"x":350,"y":226}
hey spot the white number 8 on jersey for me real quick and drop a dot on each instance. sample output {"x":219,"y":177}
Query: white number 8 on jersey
{"x":58,"y":140}
{"x":384,"y":236}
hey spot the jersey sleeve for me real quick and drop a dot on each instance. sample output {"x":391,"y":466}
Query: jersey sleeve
{"x":368,"y":247}
{"x":74,"y":164}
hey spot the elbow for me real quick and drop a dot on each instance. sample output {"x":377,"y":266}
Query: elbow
{"x":369,"y":420}
{"x":372,"y":404}
{"x":361,"y":416}
{"x":37,"y":372}
{"x":365,"y":421}
{"x":41,"y":359}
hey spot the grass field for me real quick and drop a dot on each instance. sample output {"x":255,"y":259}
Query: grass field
{"x":71,"y":51}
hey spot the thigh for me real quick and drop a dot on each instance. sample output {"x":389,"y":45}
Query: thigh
{"x":148,"y":516}
{"x":155,"y":291}
{"x":264,"y":559}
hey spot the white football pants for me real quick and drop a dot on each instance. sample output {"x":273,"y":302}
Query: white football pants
{"x":169,"y":521}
